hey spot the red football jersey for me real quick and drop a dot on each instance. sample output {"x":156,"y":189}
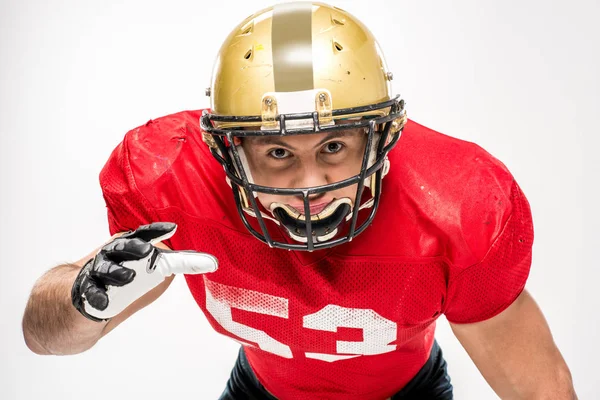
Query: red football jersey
{"x":453,"y":235}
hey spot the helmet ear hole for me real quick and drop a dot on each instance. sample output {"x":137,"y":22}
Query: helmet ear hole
{"x":248,"y":54}
{"x":336,"y":21}
{"x":338,"y":46}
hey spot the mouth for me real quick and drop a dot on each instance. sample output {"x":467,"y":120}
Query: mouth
{"x":314,"y":208}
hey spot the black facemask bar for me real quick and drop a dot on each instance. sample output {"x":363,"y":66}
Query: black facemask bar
{"x":239,"y":180}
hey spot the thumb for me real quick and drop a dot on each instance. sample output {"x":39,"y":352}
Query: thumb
{"x":169,"y":262}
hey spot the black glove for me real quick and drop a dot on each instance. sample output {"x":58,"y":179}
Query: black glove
{"x":128,"y":267}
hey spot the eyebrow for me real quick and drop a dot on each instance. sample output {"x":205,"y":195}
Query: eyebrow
{"x":270,"y":140}
{"x":334,"y":135}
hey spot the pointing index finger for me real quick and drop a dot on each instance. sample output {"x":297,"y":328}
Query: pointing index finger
{"x":185,"y":262}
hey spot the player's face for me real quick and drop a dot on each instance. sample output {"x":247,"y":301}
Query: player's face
{"x":303,"y":161}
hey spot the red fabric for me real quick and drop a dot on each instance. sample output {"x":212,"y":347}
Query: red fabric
{"x":453,"y":235}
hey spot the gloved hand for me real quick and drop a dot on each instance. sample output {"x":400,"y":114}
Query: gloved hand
{"x":128,"y":267}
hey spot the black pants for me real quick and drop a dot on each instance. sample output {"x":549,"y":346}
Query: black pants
{"x":431,"y":382}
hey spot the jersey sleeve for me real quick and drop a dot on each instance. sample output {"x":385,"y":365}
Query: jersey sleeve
{"x":127,"y":208}
{"x":486,"y":288}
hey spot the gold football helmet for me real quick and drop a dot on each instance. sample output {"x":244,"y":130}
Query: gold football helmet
{"x":300,"y":68}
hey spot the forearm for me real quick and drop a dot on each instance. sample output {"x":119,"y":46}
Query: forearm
{"x":516,"y":354}
{"x":557,"y":387}
{"x":51,"y":325}
{"x":522,"y":378}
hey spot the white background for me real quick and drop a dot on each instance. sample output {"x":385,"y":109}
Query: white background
{"x":520,"y":78}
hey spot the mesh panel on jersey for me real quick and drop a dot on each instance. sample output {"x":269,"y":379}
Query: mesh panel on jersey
{"x":487,"y":288}
{"x":351,"y":327}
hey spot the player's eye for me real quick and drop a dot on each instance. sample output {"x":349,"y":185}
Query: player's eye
{"x":333,"y":147}
{"x":279,"y":153}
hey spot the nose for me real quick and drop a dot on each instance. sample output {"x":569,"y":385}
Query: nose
{"x":313,"y":198}
{"x":310,"y":175}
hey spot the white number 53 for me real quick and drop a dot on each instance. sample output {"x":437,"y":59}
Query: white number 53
{"x":378,"y":332}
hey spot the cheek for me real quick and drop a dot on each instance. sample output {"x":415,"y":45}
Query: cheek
{"x":263,"y":172}
{"x":267,"y":199}
{"x":347,"y":166}
{"x":257,"y":169}
{"x":271,"y":178}
{"x":349,"y":192}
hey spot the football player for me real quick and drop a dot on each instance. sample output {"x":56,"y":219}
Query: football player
{"x":317,"y":226}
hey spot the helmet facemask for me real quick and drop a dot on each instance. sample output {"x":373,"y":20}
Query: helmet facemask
{"x":338,"y":222}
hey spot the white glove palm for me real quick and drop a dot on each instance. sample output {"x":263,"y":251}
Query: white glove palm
{"x":130,"y":266}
